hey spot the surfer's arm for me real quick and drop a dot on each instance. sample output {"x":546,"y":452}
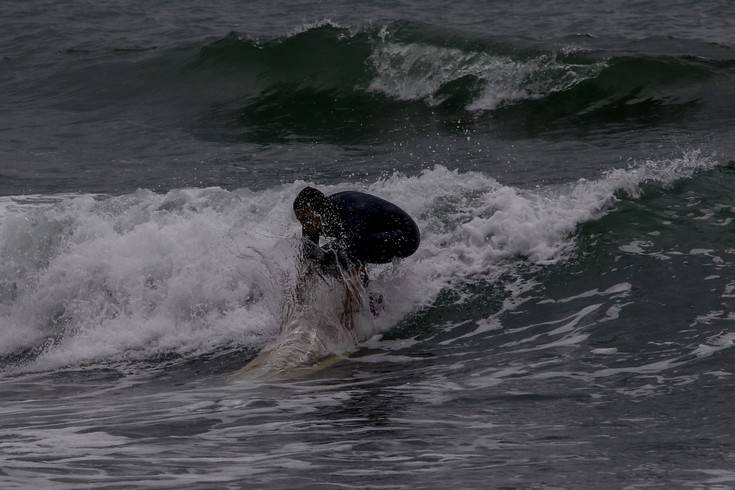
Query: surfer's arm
{"x":336,"y":253}
{"x":329,"y":258}
{"x":311,"y":251}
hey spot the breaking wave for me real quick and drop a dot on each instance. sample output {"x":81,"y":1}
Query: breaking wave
{"x":335,"y":83}
{"x":96,"y":278}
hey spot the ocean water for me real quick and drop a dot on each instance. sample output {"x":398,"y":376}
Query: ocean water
{"x":568,"y":321}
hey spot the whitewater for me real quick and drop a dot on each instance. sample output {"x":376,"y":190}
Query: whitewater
{"x":99,"y":278}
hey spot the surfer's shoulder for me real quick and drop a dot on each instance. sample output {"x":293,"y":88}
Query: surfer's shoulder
{"x":359,"y":199}
{"x":349,"y":196}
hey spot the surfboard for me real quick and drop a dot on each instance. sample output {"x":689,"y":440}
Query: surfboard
{"x":261,"y":369}
{"x":318,"y":325}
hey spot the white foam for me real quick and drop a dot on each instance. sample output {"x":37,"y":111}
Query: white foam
{"x":86,"y":278}
{"x":622,"y":289}
{"x":715,"y":344}
{"x":139,"y":274}
{"x":717,"y":476}
{"x":413,"y":71}
{"x":605,"y":351}
{"x":326,"y":22}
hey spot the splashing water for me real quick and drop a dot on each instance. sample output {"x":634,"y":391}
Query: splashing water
{"x":87,"y":278}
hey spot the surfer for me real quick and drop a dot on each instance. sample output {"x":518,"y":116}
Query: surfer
{"x":365,"y":229}
{"x":320,"y":321}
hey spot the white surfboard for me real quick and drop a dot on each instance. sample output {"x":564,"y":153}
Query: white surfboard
{"x":318,"y":325}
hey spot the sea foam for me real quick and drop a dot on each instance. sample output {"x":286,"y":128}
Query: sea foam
{"x":414,"y":71}
{"x":90,"y":278}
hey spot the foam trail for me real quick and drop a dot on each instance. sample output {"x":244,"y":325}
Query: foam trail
{"x":91,"y":278}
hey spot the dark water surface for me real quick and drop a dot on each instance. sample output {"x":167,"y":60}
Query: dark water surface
{"x":568,"y":321}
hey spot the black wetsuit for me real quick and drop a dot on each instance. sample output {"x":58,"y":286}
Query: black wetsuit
{"x":368,"y":229}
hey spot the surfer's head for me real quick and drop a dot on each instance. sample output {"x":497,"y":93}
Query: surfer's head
{"x":309,"y":206}
{"x":310,"y":199}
